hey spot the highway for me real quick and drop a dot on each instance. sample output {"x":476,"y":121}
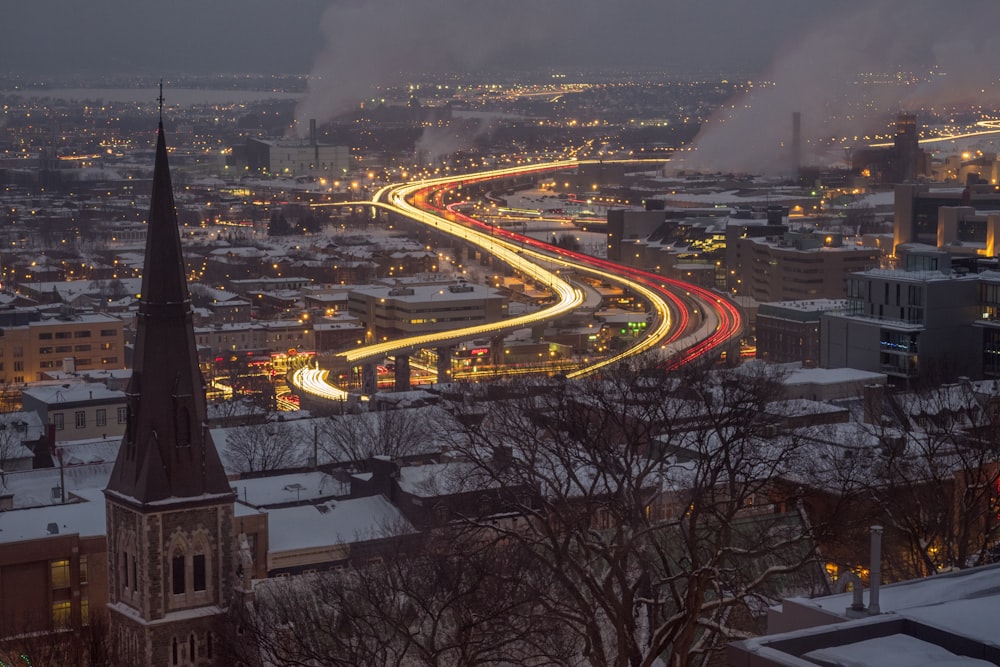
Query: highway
{"x":672,"y":303}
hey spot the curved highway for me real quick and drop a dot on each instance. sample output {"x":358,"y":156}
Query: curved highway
{"x":720,"y":320}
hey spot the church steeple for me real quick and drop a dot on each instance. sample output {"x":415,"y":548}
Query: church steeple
{"x":165,"y":452}
{"x":169,"y":506}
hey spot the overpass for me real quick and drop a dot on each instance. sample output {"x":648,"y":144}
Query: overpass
{"x":672,"y":302}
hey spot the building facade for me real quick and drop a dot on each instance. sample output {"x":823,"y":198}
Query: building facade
{"x":410,"y":310}
{"x":92,"y":341}
{"x":77,"y":411}
{"x":908,"y":325}
{"x":789,"y":331}
{"x":794,"y":266}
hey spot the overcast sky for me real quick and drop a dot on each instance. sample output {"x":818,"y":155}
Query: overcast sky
{"x":222,"y":36}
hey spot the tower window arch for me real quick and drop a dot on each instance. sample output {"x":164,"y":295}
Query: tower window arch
{"x":177,"y":567}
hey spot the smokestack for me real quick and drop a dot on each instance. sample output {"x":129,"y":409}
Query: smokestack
{"x":314,"y":143}
{"x":796,"y":140}
{"x":875,"y":576}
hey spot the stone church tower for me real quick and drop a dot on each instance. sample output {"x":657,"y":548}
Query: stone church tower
{"x":169,"y":505}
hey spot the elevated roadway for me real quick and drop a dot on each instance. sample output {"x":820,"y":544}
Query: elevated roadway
{"x":673,"y":304}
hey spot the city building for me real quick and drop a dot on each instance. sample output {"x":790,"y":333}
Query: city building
{"x":918,"y":216}
{"x":903,"y":162}
{"x":169,"y":505}
{"x":908,"y":325}
{"x":298,"y":158}
{"x":90,"y":341}
{"x":789,"y":331}
{"x":947,"y":619}
{"x":793,"y":266}
{"x":77,"y":410}
{"x":53,"y":566}
{"x":412,"y":308}
{"x":257,"y":337}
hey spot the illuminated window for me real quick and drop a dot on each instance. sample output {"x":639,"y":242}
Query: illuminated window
{"x":61,"y":612}
{"x":60,"y":574}
{"x":85,"y":611}
{"x":83,"y":569}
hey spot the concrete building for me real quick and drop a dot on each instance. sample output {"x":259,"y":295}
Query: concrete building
{"x":794,"y":265}
{"x":627,"y":227}
{"x":948,"y":619}
{"x":906,"y":324}
{"x":411,"y":309}
{"x":989,"y":322}
{"x":92,"y":341}
{"x":918,"y":219}
{"x":53,"y":567}
{"x":298,"y":158}
{"x":263,"y":337}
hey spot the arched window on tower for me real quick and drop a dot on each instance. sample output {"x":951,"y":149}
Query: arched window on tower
{"x":198,"y":574}
{"x":177,"y":572}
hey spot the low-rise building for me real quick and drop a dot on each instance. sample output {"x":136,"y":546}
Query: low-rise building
{"x":92,"y":341}
{"x":906,"y":324}
{"x":78,"y":411}
{"x":789,"y":331}
{"x":413,"y":309}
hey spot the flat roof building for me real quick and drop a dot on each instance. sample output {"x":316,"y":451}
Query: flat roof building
{"x":92,"y":341}
{"x":413,"y":309}
{"x":794,"y":265}
{"x":906,"y":324}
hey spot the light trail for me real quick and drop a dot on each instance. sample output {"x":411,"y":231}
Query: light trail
{"x":994,"y":126}
{"x":722,"y":320}
{"x":313,"y":381}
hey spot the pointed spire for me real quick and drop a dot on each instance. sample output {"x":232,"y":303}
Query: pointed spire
{"x":166,"y":451}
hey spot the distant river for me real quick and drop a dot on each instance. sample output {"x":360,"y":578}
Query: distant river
{"x":181,"y":96}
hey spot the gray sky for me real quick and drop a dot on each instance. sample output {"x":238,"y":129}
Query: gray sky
{"x":222,"y":36}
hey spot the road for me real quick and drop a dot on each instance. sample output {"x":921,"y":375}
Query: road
{"x":679,"y":335}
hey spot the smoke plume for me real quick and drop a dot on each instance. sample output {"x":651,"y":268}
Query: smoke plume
{"x":842,"y":76}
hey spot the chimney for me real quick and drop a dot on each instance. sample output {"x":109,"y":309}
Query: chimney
{"x":796,"y":140}
{"x":875,"y":575}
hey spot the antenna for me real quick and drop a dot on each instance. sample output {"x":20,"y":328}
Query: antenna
{"x":160,"y":100}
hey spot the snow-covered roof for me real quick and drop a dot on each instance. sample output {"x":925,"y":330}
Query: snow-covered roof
{"x":280,"y":489}
{"x":334,"y":522}
{"x":903,"y":649}
{"x":84,"y":518}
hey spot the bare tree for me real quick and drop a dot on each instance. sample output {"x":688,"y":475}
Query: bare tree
{"x":936,"y":477}
{"x":265,"y":447}
{"x":651,"y":512}
{"x":393,"y":433}
{"x":460,"y":601}
{"x":644,"y":519}
{"x":86,"y":646}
